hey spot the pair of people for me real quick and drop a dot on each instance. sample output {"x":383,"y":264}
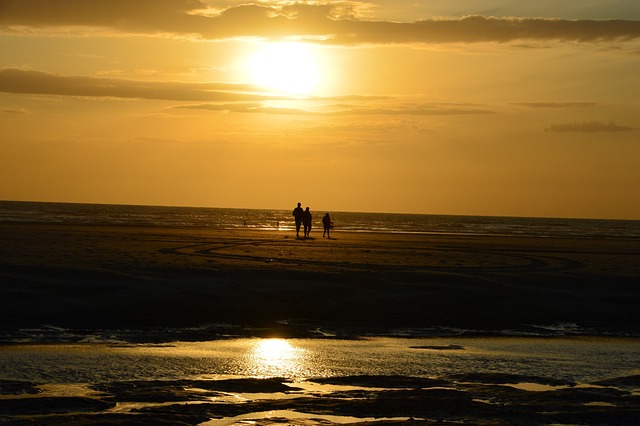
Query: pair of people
{"x":304,"y":218}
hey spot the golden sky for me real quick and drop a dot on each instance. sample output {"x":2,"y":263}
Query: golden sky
{"x":475,"y":107}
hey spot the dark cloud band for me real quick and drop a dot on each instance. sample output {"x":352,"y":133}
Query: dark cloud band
{"x":319,"y":23}
{"x":14,"y":80}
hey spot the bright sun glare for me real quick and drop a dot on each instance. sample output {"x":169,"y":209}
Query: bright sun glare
{"x":275,"y":357}
{"x":291,"y":68}
{"x":274,"y":350}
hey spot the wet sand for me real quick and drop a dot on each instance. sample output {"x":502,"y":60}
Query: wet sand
{"x":257,"y":282}
{"x":463,"y":399}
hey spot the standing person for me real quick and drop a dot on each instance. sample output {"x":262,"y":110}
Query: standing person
{"x":326,"y":222}
{"x":306,"y":221}
{"x":297,"y":214}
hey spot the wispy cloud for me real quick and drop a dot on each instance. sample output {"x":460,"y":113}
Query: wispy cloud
{"x":588,"y":127}
{"x":343,"y":110}
{"x":414,"y":111}
{"x":240,"y":98}
{"x":14,"y":80}
{"x":326,"y":23}
{"x":12,"y":111}
{"x":228,"y":107}
{"x":557,"y":104}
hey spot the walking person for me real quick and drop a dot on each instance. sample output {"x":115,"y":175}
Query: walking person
{"x":297,"y":214}
{"x":306,"y":222}
{"x":327,"y":224}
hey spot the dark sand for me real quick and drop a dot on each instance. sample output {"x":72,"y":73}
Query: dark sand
{"x":270,"y":283}
{"x":469,"y":399}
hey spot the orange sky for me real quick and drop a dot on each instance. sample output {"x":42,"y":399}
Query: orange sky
{"x":477,"y":107}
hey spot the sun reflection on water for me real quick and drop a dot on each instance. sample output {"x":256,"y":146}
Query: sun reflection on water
{"x":275,"y":358}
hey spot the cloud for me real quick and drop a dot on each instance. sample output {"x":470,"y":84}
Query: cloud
{"x":134,"y":15}
{"x":557,"y":104}
{"x":213,"y":96}
{"x":474,"y":29}
{"x":326,"y":23}
{"x":413,"y":111}
{"x":14,"y":80}
{"x":342,"y":110}
{"x":228,"y":107}
{"x":12,"y":111}
{"x":588,"y":127}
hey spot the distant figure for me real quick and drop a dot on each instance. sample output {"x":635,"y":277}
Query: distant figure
{"x":306,"y":221}
{"x":297,"y":214}
{"x":326,"y":222}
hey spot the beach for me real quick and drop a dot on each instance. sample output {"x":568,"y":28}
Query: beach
{"x":271,"y":283}
{"x":131,"y":296}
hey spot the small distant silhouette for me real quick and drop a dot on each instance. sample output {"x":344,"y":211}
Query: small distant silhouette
{"x":306,"y":221}
{"x":297,"y":214}
{"x":326,"y":222}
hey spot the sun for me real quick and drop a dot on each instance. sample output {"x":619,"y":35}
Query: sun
{"x":287,"y":67}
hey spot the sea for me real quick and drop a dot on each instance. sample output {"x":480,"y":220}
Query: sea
{"x":281,"y":219}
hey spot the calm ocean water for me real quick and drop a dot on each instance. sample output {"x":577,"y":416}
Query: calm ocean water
{"x":271,"y":219}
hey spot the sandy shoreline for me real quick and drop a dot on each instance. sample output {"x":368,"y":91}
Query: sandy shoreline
{"x":88,"y":277}
{"x":65,"y":283}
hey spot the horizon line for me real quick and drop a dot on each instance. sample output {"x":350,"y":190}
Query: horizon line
{"x":330,"y":210}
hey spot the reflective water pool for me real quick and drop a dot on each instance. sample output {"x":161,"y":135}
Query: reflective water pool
{"x":576,"y":359}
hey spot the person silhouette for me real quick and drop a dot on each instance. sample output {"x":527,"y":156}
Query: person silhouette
{"x":306,"y":221}
{"x":326,"y":222}
{"x":297,"y":214}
